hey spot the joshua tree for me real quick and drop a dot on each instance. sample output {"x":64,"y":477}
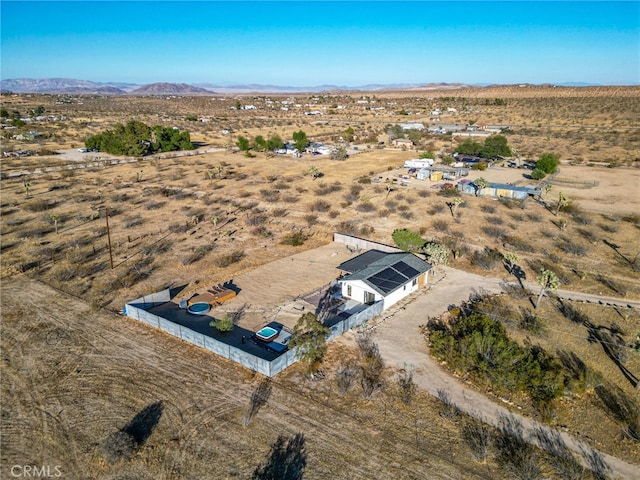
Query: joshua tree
{"x":389,"y":185}
{"x":547,"y":280}
{"x":512,"y":261}
{"x":454,"y":204}
{"x":27,"y":185}
{"x":214,"y":219}
{"x":314,"y":172}
{"x":54,"y":218}
{"x":480,"y":183}
{"x":563,"y":201}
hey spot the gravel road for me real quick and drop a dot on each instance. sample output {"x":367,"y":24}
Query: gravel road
{"x":401,"y":344}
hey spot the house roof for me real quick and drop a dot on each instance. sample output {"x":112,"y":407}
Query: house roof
{"x":384,"y":272}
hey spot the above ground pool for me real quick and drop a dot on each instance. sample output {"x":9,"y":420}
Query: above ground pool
{"x":199,"y":308}
{"x":266,"y":334}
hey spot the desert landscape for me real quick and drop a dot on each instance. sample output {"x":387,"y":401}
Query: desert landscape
{"x":84,"y":232}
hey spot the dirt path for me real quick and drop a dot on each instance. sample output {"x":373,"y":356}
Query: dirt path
{"x":401,"y":344}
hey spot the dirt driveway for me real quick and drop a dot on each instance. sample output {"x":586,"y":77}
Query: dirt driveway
{"x":402,"y":345}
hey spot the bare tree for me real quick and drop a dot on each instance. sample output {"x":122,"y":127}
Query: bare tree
{"x":406,"y":385}
{"x":371,"y":365}
{"x":345,"y":375}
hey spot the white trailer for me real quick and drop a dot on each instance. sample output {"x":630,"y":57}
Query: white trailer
{"x":419,"y":163}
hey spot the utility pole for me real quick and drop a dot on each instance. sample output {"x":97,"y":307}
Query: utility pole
{"x":106,"y":216}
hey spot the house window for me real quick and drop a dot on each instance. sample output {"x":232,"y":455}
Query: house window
{"x":348,"y":290}
{"x":415,"y":282}
{"x":404,"y":287}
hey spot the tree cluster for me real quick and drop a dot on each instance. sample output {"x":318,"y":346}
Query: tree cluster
{"x":138,"y":139}
{"x":493,"y":147}
{"x":479,"y":346}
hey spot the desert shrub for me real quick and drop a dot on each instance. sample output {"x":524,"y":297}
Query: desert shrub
{"x":622,"y":407}
{"x":478,"y":346}
{"x":632,"y":218}
{"x":406,"y":386}
{"x":440,"y":225}
{"x":391,"y":204}
{"x":325,"y":189}
{"x":269,"y":195}
{"x":153,"y":205}
{"x":39,"y":205}
{"x":282,"y":186}
{"x":64,"y":271}
{"x":311,"y":219}
{"x":224,"y":324}
{"x":261,"y":231}
{"x":290,"y":198}
{"x":424,"y":193}
{"x":320,"y":206}
{"x":364,"y":180}
{"x":333,"y":213}
{"x":437,"y":208}
{"x":255,"y":220}
{"x":355,"y":190}
{"x":519,"y":244}
{"x":156,"y":248}
{"x":495,"y":220}
{"x":493,"y":231}
{"x":573,"y":248}
{"x":588,"y":235}
{"x":511,"y":203}
{"x":488,"y":208}
{"x":518,"y":217}
{"x":196,"y":254}
{"x":371,"y":365}
{"x":279,"y":212}
{"x":365,"y":207}
{"x":133,"y":221}
{"x":294,"y":239}
{"x":408,"y":240}
{"x":607,"y":227}
{"x":348,"y":227}
{"x":181,"y":227}
{"x":534,"y":217}
{"x":223,"y":261}
{"x":449,"y":192}
{"x":366,"y":230}
{"x":613,"y":285}
{"x":513,"y":452}
{"x":478,"y":437}
{"x":487,"y":259}
{"x":408,"y":215}
{"x":345,"y":375}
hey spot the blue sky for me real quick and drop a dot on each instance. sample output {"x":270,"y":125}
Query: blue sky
{"x":313,"y":43}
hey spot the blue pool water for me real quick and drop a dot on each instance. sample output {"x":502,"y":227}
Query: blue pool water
{"x":199,"y":308}
{"x":267,"y":333}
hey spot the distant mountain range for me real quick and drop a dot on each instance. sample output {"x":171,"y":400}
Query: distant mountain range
{"x":72,"y":86}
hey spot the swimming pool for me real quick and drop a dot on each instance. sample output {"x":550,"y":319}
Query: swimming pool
{"x":266,"y":334}
{"x":199,"y":308}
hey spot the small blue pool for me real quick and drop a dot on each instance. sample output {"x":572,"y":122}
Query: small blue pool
{"x":199,"y":308}
{"x":266,"y":334}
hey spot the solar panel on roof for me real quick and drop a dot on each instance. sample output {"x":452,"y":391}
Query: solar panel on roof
{"x":387,"y":280}
{"x":407,"y":270}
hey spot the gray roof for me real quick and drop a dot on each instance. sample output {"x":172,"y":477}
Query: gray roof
{"x":385,"y":272}
{"x":361,"y":261}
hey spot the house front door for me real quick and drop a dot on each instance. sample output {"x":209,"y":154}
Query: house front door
{"x":369,"y":298}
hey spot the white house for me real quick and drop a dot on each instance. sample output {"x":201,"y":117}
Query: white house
{"x":376,"y":275}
